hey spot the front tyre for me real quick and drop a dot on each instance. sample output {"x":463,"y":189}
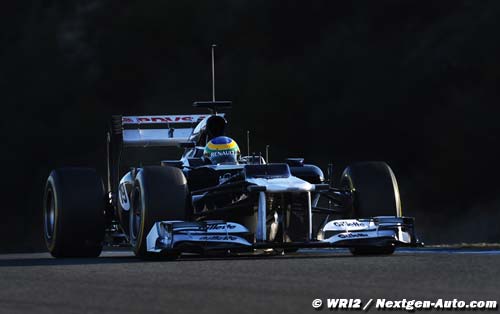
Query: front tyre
{"x":375,"y":193}
{"x":159,"y":194}
{"x":73,"y":213}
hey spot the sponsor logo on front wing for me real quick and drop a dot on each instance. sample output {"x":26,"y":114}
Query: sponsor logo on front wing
{"x":353,"y":235}
{"x":344,"y":223}
{"x":221,"y":227}
{"x":219,"y":238}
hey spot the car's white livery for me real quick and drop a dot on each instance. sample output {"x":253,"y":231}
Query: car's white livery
{"x":190,"y":205}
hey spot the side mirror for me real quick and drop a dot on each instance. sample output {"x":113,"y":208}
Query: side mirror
{"x":295,"y":162}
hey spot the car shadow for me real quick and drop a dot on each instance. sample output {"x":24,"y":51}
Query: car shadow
{"x":50,"y":261}
{"x":44,"y":259}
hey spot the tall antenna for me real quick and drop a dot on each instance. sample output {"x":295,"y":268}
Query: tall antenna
{"x":213,"y":105}
{"x":248,"y":143}
{"x":213,"y":71}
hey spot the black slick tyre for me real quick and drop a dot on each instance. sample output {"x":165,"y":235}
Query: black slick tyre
{"x":375,"y":193}
{"x":159,"y":194}
{"x":73,"y":213}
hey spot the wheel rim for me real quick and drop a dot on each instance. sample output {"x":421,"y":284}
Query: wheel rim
{"x":50,"y":214}
{"x":136,"y":215}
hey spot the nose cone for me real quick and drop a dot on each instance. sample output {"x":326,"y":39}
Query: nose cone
{"x":291,"y":184}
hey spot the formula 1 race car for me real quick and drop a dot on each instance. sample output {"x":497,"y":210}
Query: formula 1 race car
{"x":191,"y":205}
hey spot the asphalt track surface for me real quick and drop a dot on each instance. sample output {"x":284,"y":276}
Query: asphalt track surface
{"x":119,"y":283}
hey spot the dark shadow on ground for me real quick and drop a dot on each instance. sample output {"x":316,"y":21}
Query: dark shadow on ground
{"x":25,"y":260}
{"x":125,"y":256}
{"x":50,"y":261}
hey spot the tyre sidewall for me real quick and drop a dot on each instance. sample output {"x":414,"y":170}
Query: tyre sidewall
{"x":79,"y":222}
{"x":54,"y":193}
{"x":373,"y":185}
{"x":140,"y":238}
{"x":163,"y":196}
{"x":381,"y":200}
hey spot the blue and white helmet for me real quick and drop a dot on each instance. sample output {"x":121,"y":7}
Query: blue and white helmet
{"x":222,"y":149}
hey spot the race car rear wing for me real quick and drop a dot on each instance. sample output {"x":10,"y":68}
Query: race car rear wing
{"x":145,"y":131}
{"x":168,"y":130}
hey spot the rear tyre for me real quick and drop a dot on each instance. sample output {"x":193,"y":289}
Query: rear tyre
{"x":159,"y":193}
{"x":73,"y":213}
{"x":375,"y":193}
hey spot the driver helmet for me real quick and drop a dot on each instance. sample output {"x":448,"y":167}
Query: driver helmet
{"x":222,"y":150}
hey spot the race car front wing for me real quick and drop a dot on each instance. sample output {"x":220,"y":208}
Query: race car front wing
{"x":203,"y":236}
